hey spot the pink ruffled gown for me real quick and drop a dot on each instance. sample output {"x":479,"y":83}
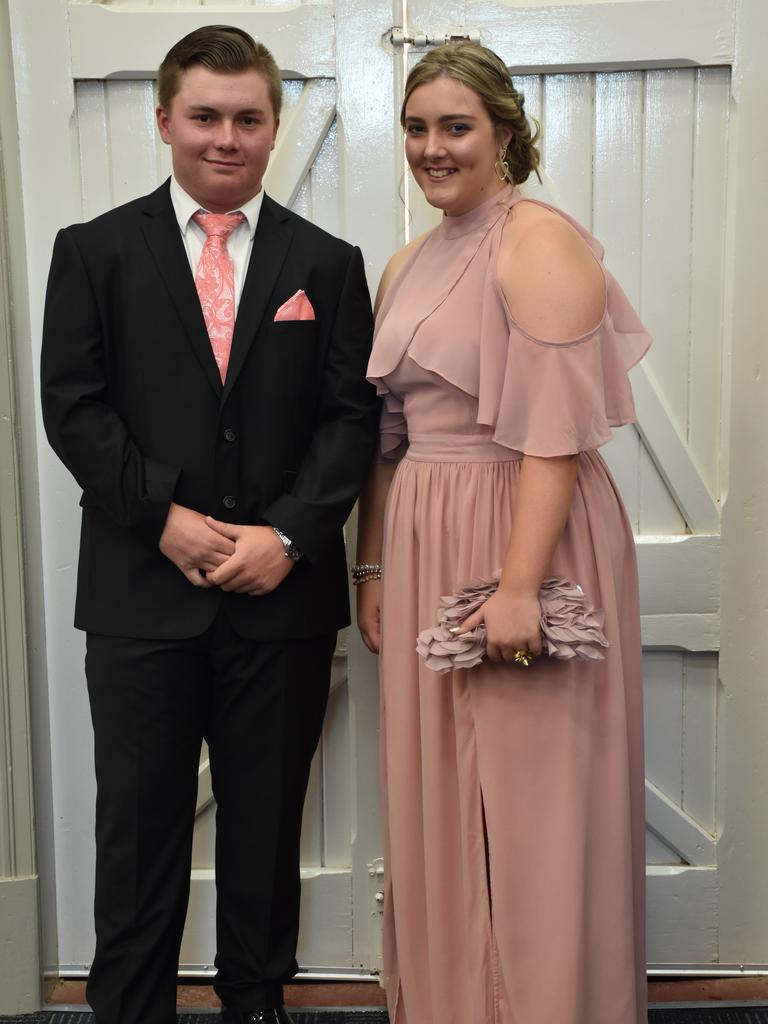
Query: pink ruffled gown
{"x":513,"y":797}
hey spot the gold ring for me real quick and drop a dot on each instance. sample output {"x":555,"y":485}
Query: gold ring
{"x":454,"y":630}
{"x":522,"y":657}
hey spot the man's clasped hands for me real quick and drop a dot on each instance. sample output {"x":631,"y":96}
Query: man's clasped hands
{"x":244,"y":559}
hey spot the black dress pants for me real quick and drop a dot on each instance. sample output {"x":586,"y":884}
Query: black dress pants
{"x":260,"y":706}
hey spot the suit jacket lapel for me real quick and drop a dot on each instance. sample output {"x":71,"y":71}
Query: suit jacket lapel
{"x":270,"y":247}
{"x":161,"y":230}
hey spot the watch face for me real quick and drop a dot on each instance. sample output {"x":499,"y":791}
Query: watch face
{"x":290,"y":549}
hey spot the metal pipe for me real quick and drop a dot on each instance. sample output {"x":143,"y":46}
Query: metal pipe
{"x":79,"y":971}
{"x":74,"y":971}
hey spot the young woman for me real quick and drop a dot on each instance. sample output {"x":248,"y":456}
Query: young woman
{"x":513,"y":795}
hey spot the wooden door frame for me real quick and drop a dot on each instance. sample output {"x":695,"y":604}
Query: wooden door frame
{"x":20,"y":988}
{"x":743,"y":775}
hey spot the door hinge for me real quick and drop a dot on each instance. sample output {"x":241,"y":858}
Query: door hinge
{"x":398,"y":37}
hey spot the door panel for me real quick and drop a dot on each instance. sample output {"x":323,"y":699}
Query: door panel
{"x":639,"y":156}
{"x":99,"y":106}
{"x":120,"y":157}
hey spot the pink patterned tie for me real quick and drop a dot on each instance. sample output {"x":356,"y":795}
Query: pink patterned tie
{"x":215,"y":282}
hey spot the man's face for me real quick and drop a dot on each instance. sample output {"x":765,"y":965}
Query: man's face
{"x":221,"y":129}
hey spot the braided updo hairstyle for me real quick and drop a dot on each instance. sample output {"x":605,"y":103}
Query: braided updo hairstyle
{"x":486,"y":74}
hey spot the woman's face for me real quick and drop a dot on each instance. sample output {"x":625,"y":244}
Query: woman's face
{"x":451,"y":145}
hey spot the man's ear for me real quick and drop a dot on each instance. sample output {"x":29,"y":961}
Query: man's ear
{"x":161,"y":116}
{"x":274,"y":132}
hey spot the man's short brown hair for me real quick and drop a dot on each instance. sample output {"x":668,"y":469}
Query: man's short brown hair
{"x":220,"y":48}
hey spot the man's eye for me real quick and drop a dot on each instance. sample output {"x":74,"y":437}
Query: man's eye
{"x":248,"y":121}
{"x":203,"y":118}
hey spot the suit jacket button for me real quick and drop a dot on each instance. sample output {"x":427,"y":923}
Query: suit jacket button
{"x":228,"y":501}
{"x":230,"y":435}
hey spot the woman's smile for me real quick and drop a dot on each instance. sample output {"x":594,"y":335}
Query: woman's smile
{"x":451,"y":145}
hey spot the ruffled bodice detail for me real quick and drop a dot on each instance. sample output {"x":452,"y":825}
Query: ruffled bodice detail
{"x":446,"y":312}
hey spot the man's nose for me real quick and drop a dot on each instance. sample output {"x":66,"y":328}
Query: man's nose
{"x":226,"y":137}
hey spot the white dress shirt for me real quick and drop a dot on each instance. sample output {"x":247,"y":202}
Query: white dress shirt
{"x":239,"y":244}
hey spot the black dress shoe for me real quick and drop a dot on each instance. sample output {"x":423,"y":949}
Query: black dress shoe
{"x":275,"y":1015}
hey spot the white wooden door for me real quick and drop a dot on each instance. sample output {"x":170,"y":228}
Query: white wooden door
{"x":638,"y":105}
{"x":84,"y":75}
{"x":633,"y":100}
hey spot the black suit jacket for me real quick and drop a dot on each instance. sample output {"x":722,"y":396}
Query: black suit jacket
{"x":134,"y":406}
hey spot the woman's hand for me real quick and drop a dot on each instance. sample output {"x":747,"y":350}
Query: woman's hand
{"x":511,"y":622}
{"x":369,"y":613}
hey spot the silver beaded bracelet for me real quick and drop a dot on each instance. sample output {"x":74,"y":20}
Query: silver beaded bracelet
{"x":365,"y":572}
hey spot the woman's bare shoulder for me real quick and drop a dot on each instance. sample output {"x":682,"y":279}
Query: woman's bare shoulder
{"x":553,"y":284}
{"x":395,"y":265}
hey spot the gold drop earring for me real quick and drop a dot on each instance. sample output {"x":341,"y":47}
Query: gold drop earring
{"x":501,"y":166}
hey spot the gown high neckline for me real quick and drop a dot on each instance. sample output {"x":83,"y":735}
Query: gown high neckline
{"x":481,"y":216}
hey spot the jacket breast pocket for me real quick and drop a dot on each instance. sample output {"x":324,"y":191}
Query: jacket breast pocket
{"x":300,"y":334}
{"x":292,"y":353}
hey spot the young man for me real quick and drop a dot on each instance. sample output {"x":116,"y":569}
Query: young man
{"x":203,"y":370}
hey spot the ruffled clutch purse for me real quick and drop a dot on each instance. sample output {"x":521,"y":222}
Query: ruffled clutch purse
{"x":570,"y":626}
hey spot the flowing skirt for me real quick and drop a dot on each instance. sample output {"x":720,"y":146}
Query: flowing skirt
{"x":514,"y":810}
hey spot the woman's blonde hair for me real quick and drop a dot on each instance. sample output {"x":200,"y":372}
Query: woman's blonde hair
{"x":486,"y":74}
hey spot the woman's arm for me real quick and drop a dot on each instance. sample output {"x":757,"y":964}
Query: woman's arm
{"x":370,"y":530}
{"x":542,"y":504}
{"x":555,"y":290}
{"x":373,"y":498}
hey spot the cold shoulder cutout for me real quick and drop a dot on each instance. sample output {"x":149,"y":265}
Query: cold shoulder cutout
{"x":553,"y":283}
{"x":536,"y":397}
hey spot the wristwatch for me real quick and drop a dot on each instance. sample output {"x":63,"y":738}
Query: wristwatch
{"x":291,"y":551}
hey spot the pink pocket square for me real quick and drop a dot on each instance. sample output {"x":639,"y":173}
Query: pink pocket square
{"x":298,"y":307}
